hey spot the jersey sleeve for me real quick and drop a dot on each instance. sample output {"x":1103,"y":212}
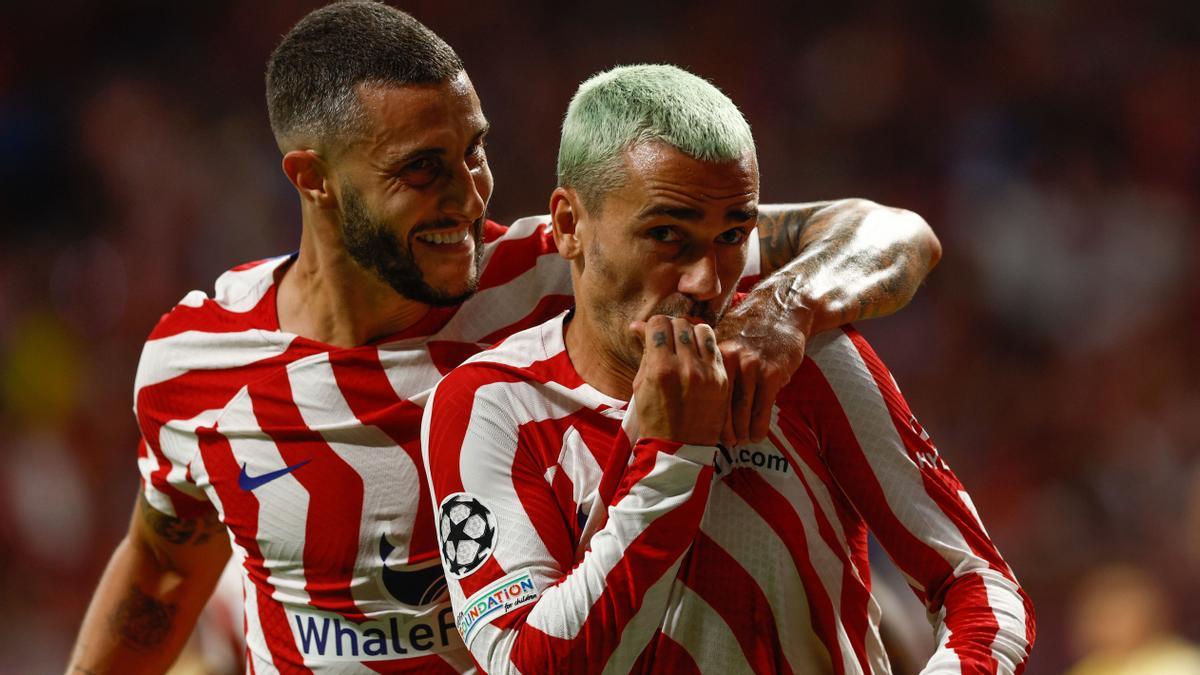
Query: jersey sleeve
{"x":527,"y":597}
{"x":888,"y":467}
{"x":167,"y":443}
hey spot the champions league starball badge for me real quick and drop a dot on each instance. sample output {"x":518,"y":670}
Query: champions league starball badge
{"x":467,"y":531}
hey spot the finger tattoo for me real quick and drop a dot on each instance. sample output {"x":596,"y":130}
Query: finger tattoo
{"x":660,"y":339}
{"x":711,"y":343}
{"x":685,"y":337}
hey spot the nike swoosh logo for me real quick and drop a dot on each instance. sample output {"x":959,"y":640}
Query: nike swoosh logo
{"x":248,"y":482}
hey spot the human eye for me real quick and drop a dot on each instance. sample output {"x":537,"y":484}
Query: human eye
{"x":733,"y":237}
{"x":477,"y":153}
{"x":421,"y":172}
{"x":664,"y":234}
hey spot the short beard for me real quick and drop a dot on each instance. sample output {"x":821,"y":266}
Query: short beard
{"x":376,"y":248}
{"x":623,"y":345}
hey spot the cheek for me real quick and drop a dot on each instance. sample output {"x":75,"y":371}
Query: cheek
{"x":730,"y":267}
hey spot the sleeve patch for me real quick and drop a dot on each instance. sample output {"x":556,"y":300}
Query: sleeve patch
{"x":494,"y":601}
{"x":466,"y":532}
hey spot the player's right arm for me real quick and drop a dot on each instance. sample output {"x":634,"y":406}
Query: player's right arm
{"x":576,"y":612}
{"x":157,"y":581}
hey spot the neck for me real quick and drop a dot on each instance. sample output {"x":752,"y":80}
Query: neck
{"x":327,"y":297}
{"x":595,"y":358}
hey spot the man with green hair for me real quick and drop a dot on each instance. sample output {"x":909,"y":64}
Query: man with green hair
{"x":589,"y":518}
{"x":280,"y":414}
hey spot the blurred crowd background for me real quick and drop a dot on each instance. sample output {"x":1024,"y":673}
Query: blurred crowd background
{"x":1054,"y":145}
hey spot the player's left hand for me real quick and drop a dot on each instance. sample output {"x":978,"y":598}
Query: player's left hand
{"x":762,"y":349}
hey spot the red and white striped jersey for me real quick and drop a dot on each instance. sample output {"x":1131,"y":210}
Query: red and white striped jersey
{"x":573,"y":546}
{"x":310,"y":454}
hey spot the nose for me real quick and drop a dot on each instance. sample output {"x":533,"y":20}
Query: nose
{"x":700,"y":280}
{"x":466,"y":193}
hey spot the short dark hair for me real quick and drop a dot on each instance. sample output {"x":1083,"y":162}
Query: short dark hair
{"x":313,"y":73}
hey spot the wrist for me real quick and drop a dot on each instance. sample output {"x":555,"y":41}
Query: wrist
{"x":786,"y":299}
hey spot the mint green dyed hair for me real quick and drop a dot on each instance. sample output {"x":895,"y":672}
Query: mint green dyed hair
{"x":619,"y":108}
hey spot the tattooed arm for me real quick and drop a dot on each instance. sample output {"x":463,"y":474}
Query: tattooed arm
{"x":824,"y":264}
{"x":844,"y":260}
{"x":153,"y":589}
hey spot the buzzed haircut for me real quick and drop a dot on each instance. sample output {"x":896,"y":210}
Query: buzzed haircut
{"x":619,"y":108}
{"x":313,"y":74}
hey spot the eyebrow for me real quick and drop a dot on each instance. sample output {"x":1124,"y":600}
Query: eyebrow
{"x":692,"y":215}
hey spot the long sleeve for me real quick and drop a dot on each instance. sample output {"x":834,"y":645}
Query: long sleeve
{"x":891,"y":472}
{"x":547,"y":585}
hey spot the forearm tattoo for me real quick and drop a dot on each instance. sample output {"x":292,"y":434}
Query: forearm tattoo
{"x":853,"y":282}
{"x":181,"y":530}
{"x":779,"y":230}
{"x":143,"y":622}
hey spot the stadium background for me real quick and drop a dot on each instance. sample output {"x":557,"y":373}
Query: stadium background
{"x":1052,"y":144}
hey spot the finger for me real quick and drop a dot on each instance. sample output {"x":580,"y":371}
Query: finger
{"x":638,"y":328}
{"x":764,"y":403}
{"x":744,"y":387}
{"x":658,"y":336}
{"x":706,"y":343}
{"x":685,"y":339}
{"x":728,"y":439}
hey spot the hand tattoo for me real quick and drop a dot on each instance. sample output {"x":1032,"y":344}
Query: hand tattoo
{"x":660,"y":339}
{"x":685,"y":337}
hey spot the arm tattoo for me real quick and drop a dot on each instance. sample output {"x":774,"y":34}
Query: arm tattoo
{"x":181,"y":530}
{"x":779,"y":228}
{"x":685,"y":337}
{"x":660,"y":339}
{"x":143,"y":622}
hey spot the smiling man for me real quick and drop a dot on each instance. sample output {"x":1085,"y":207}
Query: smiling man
{"x":588,"y":520}
{"x":280,"y":416}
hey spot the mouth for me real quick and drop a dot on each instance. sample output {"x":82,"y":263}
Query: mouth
{"x":445,"y":237}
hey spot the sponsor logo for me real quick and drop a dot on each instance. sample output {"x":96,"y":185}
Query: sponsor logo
{"x":248,"y":482}
{"x":414,"y":585}
{"x":513,"y":591}
{"x":329,"y":637}
{"x":467,"y":531}
{"x":751,"y":456}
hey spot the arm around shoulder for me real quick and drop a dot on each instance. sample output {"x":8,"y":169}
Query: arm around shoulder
{"x":840,"y":261}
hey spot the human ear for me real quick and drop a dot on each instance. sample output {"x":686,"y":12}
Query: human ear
{"x":566,"y":212}
{"x":309,"y":174}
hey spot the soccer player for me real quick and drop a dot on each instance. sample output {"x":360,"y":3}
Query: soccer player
{"x":280,"y":416}
{"x":587,"y":520}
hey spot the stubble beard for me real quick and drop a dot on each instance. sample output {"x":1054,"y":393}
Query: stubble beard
{"x":615,"y":318}
{"x":378,"y":250}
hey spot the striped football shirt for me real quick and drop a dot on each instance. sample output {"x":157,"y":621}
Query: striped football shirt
{"x":310,"y":455}
{"x":573,"y":545}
